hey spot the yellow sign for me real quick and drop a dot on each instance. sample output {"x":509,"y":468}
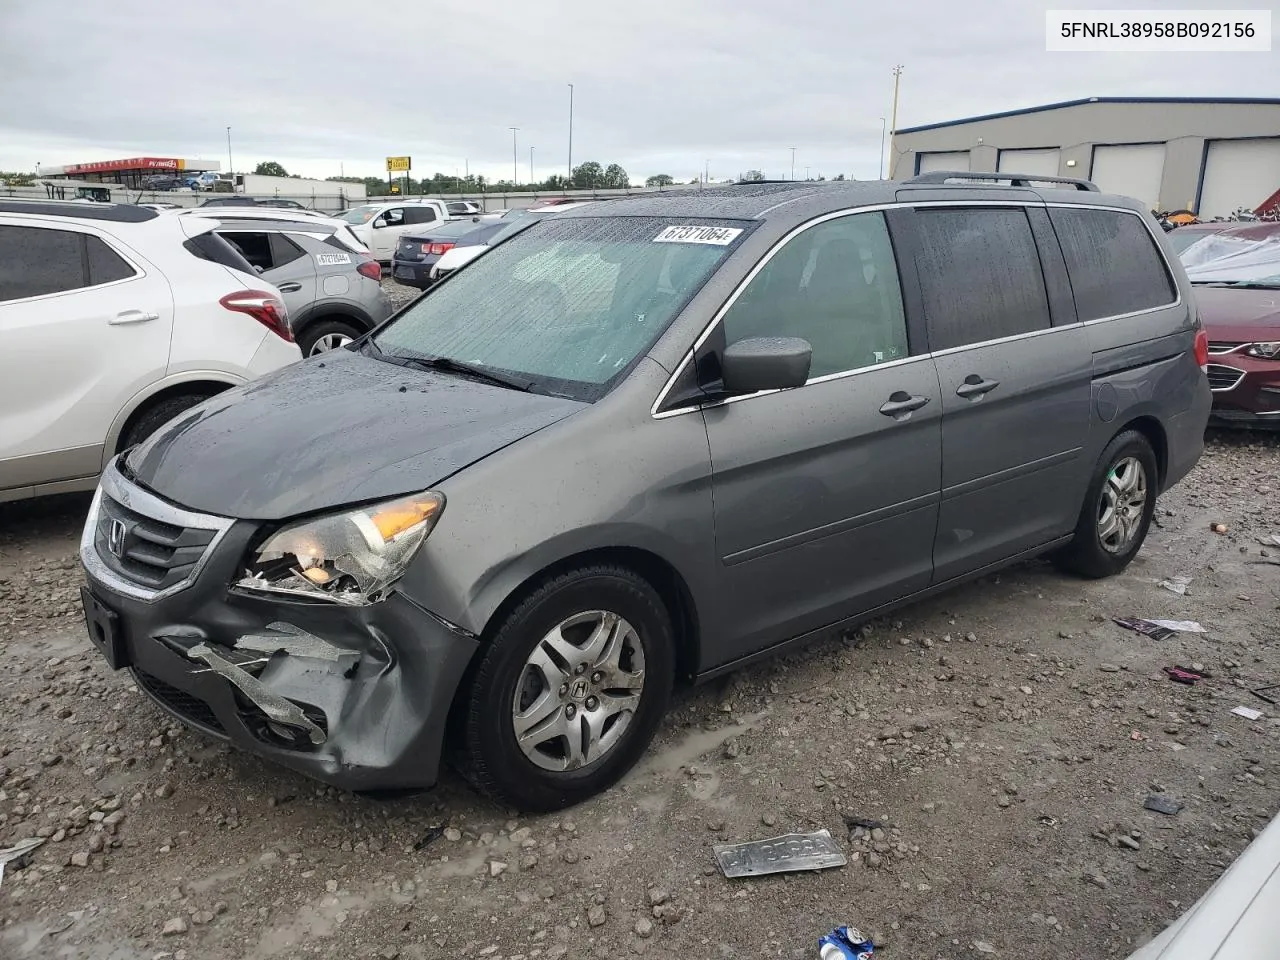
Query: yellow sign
{"x":398,"y":164}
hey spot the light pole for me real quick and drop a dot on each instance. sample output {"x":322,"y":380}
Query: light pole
{"x":531,"y":180}
{"x":230,"y":166}
{"x":515,"y":173}
{"x":793,"y":163}
{"x":806,"y":173}
{"x":893,"y":122}
{"x":571,"y":131}
{"x":882,"y":129}
{"x":706,"y":172}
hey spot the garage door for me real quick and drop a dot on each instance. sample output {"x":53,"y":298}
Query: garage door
{"x":1131,"y":170}
{"x":1042,"y":162}
{"x":1239,"y":173}
{"x":929,"y":162}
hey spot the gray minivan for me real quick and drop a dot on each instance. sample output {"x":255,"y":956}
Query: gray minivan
{"x":642,"y":442}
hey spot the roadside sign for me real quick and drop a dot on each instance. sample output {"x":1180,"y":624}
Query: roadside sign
{"x":398,"y":164}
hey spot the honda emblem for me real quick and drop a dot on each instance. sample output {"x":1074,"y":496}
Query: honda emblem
{"x":115,"y":537}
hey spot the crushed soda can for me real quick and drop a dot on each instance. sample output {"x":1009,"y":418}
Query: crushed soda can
{"x":845,"y":943}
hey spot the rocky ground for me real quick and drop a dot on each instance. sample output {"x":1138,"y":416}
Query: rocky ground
{"x":1005,"y":737}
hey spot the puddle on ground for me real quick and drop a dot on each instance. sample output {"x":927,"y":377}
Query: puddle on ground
{"x":669,"y":760}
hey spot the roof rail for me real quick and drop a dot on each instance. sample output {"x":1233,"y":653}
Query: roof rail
{"x":1015,"y":179}
{"x":116,"y":212}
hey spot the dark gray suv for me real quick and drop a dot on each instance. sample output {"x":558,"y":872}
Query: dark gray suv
{"x":643,"y":442}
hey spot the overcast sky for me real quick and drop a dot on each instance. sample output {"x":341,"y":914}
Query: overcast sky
{"x":660,"y":87}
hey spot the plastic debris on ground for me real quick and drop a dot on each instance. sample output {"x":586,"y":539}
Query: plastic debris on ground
{"x":1176,"y":585}
{"x":785,"y":854}
{"x":845,"y":943}
{"x":1158,"y":629}
{"x":1162,"y":804}
{"x":431,"y":836}
{"x":17,"y":852}
{"x":866,"y":823}
{"x":1248,"y":713}
{"x":1183,"y":675}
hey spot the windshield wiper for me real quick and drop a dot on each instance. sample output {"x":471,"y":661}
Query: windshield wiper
{"x":450,"y":365}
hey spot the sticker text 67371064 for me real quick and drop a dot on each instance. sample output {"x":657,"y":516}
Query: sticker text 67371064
{"x":332,"y":259}
{"x":716,"y":236}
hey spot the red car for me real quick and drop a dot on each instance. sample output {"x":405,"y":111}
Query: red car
{"x":1239,"y":301}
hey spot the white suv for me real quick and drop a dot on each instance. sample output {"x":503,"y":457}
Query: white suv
{"x":114,"y":319}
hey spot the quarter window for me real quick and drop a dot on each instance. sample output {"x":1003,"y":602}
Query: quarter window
{"x":980,"y":276}
{"x":1113,"y":262}
{"x":834,"y":285}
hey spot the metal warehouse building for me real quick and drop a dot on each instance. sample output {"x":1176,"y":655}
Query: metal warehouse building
{"x":1174,"y":153}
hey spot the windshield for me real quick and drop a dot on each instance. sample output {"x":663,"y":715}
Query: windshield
{"x":567,"y":305}
{"x":1181,"y":239}
{"x":360,"y":214}
{"x":1234,"y":261}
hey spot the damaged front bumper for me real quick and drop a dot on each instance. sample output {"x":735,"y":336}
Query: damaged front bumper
{"x":356,"y":696}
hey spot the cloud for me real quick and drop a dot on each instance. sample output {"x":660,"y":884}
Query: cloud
{"x":664,"y":87}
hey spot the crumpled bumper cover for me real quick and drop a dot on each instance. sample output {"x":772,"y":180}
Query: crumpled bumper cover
{"x":357,"y":697}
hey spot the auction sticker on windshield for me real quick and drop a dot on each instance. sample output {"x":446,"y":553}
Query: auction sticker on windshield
{"x":716,"y":236}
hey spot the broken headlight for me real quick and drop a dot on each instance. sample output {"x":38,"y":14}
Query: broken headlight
{"x":1264,"y":351}
{"x":350,"y":557}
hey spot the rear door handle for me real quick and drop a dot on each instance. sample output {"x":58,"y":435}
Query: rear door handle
{"x":901,"y":405}
{"x":132,"y":316}
{"x":289,"y":287}
{"x":974,"y":387}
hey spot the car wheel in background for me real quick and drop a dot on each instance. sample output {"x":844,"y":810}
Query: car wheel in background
{"x":1117,"y":509}
{"x":569,"y":690}
{"x":326,"y":335}
{"x":154,"y":416}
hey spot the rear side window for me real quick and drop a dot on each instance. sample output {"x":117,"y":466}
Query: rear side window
{"x":211,"y":247}
{"x":980,"y":276}
{"x":105,"y":265}
{"x":419,"y":215}
{"x":283,"y":250}
{"x":35,"y":261}
{"x":1114,"y":264}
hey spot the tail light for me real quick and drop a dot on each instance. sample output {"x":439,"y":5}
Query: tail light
{"x":370,"y":268}
{"x":1202,"y":349}
{"x":266,"y":308}
{"x":437,"y":249}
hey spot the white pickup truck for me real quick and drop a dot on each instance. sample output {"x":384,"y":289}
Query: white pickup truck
{"x":380,"y":224}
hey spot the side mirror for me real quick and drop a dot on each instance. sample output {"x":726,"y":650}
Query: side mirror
{"x":765,"y":363}
{"x":379,"y":222}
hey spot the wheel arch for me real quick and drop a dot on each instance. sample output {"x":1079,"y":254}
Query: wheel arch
{"x":654,"y":569}
{"x":1151,"y":428}
{"x":202,"y":383}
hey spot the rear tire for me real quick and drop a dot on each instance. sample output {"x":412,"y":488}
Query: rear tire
{"x":153,"y":417}
{"x":577,"y":742}
{"x":1117,"y":509}
{"x":325,"y":335}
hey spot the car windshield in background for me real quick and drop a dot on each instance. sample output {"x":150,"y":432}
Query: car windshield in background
{"x":565,"y":307}
{"x":359,"y":214}
{"x":1233,"y":261}
{"x":1181,"y":239}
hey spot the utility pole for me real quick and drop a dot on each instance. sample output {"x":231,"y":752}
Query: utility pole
{"x":571,"y":131}
{"x":706,"y":172}
{"x":230,"y":168}
{"x":893,"y":124}
{"x":515,"y":171}
{"x":882,"y":129}
{"x":806,"y":173}
{"x":531,"y":180}
{"x":793,"y":163}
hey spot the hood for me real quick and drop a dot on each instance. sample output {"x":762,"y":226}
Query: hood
{"x":335,"y":430}
{"x":1238,"y":313}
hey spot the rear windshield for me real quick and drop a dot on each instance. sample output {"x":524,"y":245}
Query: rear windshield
{"x":569,"y":304}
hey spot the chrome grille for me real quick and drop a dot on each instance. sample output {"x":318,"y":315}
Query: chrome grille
{"x":1224,"y":346}
{"x":1223,"y":378}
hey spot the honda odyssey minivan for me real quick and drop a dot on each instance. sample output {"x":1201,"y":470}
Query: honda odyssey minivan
{"x":639,"y":443}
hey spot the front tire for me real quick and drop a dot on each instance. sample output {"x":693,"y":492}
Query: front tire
{"x":569,"y":691}
{"x":152,"y":418}
{"x":325,"y":335}
{"x":1117,"y":509}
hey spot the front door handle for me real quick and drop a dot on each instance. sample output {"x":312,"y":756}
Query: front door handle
{"x":975,"y":388}
{"x":901,"y":405}
{"x":132,"y":316}
{"x":289,"y":287}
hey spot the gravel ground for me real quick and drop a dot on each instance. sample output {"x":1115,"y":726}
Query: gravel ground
{"x":1005,"y":735}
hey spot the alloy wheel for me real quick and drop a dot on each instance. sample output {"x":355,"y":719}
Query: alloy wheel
{"x":330,"y":341}
{"x":579,"y":691}
{"x":1124,"y":499}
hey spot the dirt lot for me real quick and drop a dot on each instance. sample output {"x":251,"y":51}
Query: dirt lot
{"x":1006,"y":735}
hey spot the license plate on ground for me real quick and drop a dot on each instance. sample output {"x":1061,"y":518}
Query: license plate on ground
{"x":795,"y":851}
{"x":103,"y":624}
